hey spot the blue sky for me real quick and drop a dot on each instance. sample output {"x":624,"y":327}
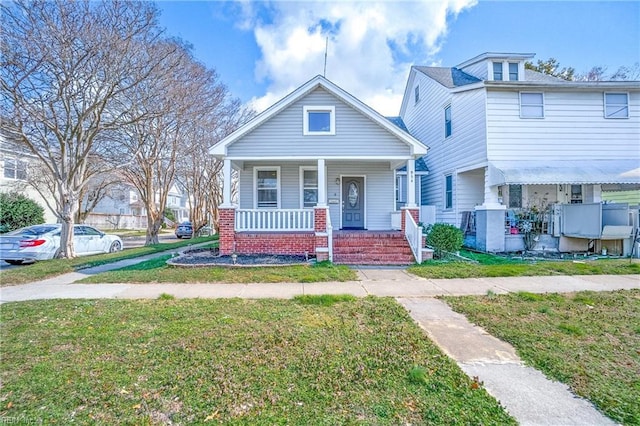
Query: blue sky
{"x":263,"y":50}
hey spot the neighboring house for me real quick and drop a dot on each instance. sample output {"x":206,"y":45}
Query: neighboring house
{"x":119,"y":208}
{"x":317,"y":175}
{"x":14,"y":170}
{"x":506,"y":142}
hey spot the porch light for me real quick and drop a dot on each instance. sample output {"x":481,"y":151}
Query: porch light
{"x":338,"y":181}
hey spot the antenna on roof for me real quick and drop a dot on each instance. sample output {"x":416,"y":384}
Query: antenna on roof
{"x":326,"y":46}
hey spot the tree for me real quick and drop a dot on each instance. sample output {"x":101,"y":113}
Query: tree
{"x":18,"y":211}
{"x":67,"y":72}
{"x":623,"y":73}
{"x":551,"y":67}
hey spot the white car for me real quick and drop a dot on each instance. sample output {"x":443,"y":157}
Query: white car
{"x":40,"y":242}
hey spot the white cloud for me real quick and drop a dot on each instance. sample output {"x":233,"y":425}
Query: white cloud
{"x":371,"y":45}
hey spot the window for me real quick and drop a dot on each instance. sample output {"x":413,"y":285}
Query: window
{"x":576,"y":194}
{"x":513,"y":71}
{"x":447,"y":121}
{"x":15,"y":169}
{"x":309,"y":180}
{"x":515,"y":196}
{"x":267,"y":187}
{"x":616,"y":105}
{"x":497,"y":71}
{"x":416,"y":93}
{"x":319,"y":120}
{"x":531,"y":105}
{"x":448,"y":191}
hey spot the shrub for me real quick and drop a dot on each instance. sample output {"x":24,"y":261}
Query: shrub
{"x":444,"y":238}
{"x":17,"y":211}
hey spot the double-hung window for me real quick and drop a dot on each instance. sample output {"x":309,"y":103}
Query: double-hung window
{"x":497,"y":71}
{"x":319,"y":120}
{"x":267,"y":184}
{"x":531,"y":105}
{"x":15,"y":169}
{"x":616,"y":105}
{"x":448,"y":191}
{"x":513,"y":71}
{"x":309,"y":187}
{"x":447,"y":121}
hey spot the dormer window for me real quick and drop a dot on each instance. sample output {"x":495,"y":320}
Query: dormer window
{"x":319,"y":120}
{"x":513,"y":71}
{"x":497,"y":71}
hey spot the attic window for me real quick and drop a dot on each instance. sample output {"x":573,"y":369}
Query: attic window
{"x":417,"y":94}
{"x":616,"y":105}
{"x":497,"y":71}
{"x":319,"y":120}
{"x":513,"y":71}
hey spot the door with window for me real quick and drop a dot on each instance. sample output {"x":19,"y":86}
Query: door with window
{"x":352,"y":202}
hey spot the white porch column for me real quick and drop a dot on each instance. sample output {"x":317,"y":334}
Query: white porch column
{"x":322,"y":184}
{"x":226,"y":183}
{"x":411,"y":183}
{"x":491,"y":198}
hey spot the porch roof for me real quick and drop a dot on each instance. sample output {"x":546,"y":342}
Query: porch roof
{"x":565,"y":172}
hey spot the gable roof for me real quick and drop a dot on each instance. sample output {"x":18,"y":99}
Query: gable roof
{"x":417,"y":147}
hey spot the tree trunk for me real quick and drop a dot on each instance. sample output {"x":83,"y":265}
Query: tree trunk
{"x":66,"y":233}
{"x":154,"y":223}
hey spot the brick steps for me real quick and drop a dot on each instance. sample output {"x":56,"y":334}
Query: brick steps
{"x":371,"y":248}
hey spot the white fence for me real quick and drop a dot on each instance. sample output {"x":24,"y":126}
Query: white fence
{"x":413,"y":233}
{"x":274,"y":220}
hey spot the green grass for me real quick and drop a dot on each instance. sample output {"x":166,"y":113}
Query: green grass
{"x":588,"y":340}
{"x":230,"y":362}
{"x":495,"y":266}
{"x":51,"y":268}
{"x":157,"y":271}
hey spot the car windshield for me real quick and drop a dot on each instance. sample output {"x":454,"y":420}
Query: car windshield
{"x":33,"y":230}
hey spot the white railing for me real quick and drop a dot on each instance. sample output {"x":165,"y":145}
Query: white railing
{"x":329,"y":236}
{"x":274,"y":220}
{"x":413,"y":233}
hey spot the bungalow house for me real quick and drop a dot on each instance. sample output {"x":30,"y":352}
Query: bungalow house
{"x":317,"y":174}
{"x":508,"y":143}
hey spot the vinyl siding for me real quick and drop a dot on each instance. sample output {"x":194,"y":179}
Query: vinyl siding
{"x":479,"y":70}
{"x":379,"y":191}
{"x":573,"y":128}
{"x":464,"y":148}
{"x":356,"y":134}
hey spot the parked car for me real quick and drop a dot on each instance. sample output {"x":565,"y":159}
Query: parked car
{"x":185,"y":229}
{"x":40,"y":242}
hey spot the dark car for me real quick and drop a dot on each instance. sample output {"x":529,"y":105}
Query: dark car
{"x":185,"y":229}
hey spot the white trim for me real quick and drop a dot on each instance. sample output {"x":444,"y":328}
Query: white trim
{"x":306,"y":109}
{"x":604,"y":105}
{"x":328,"y":157}
{"x":417,"y":147}
{"x":520,"y":104}
{"x":366,"y":197}
{"x":255,"y":185}
{"x":301,"y":184}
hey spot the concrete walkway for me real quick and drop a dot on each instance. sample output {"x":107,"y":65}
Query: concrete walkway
{"x":525,"y":392}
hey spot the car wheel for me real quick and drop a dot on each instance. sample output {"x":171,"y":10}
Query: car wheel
{"x":14,"y":262}
{"x":115,"y":246}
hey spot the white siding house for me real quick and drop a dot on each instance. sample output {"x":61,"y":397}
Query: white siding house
{"x":502,"y":137}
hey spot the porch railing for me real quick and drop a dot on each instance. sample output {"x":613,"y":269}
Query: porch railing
{"x":413,"y":233}
{"x":274,"y":220}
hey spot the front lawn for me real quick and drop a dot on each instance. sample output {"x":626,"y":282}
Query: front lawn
{"x":313,"y":360}
{"x":157,"y":271}
{"x":588,"y":340}
{"x":51,"y":268}
{"x":495,"y":266}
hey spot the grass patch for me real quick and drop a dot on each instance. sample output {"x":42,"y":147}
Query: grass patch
{"x":51,"y":268}
{"x":324,"y":299}
{"x":496,"y":266}
{"x":157,"y":271}
{"x":230,"y":362}
{"x":592,"y":347}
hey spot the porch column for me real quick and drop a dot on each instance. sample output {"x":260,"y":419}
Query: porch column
{"x":322,"y":184}
{"x":226,"y":183}
{"x":491,"y":199}
{"x":226,"y":230}
{"x":411,"y":183}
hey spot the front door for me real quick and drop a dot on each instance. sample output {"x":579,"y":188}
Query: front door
{"x":353,"y":202}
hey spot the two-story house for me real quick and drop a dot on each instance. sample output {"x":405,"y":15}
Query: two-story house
{"x":505,"y":140}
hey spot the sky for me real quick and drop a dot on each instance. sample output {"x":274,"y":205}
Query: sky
{"x":264,"y":50}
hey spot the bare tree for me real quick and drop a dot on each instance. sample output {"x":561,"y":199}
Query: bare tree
{"x":67,"y":71}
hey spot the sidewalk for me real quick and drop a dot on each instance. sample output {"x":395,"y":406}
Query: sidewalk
{"x":525,"y":392}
